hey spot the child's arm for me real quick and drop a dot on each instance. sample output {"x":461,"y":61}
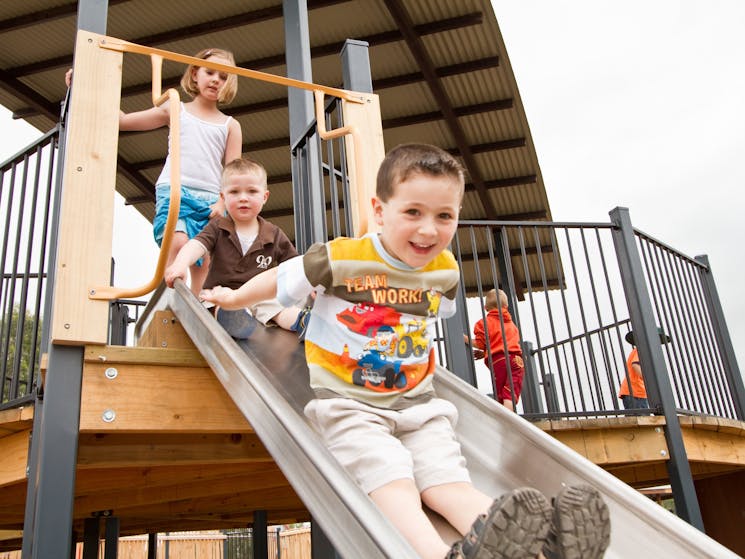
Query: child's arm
{"x":234,"y":142}
{"x":189,"y":253}
{"x":233,"y":150}
{"x":149,"y":119}
{"x":259,"y":288}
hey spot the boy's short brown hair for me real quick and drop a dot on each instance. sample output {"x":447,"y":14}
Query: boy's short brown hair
{"x":491,"y":301}
{"x":229,"y":90}
{"x":407,"y":159}
{"x":243,"y":165}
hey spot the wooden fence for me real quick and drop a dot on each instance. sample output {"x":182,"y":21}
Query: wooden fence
{"x":294,"y":543}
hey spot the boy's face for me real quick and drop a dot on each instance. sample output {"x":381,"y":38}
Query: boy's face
{"x":419,"y":220}
{"x":244,"y":195}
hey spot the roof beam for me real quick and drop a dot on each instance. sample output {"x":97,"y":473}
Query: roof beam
{"x":15,"y":87}
{"x":58,"y":12}
{"x":273,"y":143}
{"x":499,"y":105}
{"x":419,"y":52}
{"x":253,"y":17}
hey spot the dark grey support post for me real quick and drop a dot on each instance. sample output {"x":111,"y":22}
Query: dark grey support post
{"x":721,"y":332}
{"x":530,"y":395}
{"x":92,"y":15}
{"x":355,"y":66}
{"x":320,"y":545}
{"x":52,"y":466}
{"x":111,"y":547}
{"x":655,"y":373}
{"x":459,"y":358}
{"x":152,"y":546}
{"x":32,"y":471}
{"x":58,"y":449}
{"x":261,"y":545}
{"x":310,"y":220}
{"x":91,"y":535}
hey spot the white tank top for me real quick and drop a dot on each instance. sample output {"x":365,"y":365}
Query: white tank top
{"x":202,"y":153}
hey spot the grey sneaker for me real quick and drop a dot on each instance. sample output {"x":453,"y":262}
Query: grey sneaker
{"x":580,"y":525}
{"x":239,"y":324}
{"x":515,"y":527}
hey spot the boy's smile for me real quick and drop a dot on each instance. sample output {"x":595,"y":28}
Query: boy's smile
{"x":419,"y":220}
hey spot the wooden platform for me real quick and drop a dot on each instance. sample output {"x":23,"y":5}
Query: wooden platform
{"x":635,"y":451}
{"x":163,"y":448}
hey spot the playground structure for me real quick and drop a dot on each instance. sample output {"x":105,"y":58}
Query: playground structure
{"x":204,"y":435}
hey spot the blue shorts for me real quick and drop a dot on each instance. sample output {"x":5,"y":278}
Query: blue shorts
{"x":193,"y":215}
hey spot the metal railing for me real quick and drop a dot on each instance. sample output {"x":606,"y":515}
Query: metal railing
{"x":26,"y":194}
{"x":334,"y":177}
{"x":565,"y":286}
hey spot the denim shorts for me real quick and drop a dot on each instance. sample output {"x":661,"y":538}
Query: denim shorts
{"x":194,"y":210}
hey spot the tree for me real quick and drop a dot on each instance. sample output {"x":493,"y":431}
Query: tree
{"x":19,"y":369}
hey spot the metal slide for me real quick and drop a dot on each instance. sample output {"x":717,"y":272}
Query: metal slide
{"x":267,"y":378}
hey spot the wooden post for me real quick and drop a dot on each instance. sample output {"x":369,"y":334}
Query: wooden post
{"x":364,"y":158}
{"x":88,"y":185}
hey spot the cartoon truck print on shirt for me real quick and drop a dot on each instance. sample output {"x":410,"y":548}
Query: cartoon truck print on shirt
{"x":376,"y":368}
{"x":371,"y":320}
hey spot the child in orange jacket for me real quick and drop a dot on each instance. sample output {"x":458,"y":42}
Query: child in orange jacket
{"x":495,"y":303}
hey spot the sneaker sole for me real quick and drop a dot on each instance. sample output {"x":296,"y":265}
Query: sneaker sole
{"x":581,"y":523}
{"x":515,"y":527}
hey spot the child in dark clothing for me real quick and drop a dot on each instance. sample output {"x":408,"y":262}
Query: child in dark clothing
{"x":242,"y":244}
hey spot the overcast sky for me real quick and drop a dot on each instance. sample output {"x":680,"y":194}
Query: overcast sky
{"x":641,"y":104}
{"x":637,"y":103}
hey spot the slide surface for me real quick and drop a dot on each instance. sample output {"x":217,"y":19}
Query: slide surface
{"x":267,"y":378}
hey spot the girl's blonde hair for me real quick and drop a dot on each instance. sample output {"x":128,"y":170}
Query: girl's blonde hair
{"x":229,"y":90}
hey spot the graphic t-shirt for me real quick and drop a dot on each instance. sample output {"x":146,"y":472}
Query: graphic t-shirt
{"x":372,"y":331}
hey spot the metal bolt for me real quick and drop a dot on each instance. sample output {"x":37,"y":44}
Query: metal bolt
{"x":67,"y":326}
{"x":663,"y":452}
{"x":110,"y":373}
{"x":92,"y":292}
{"x":79,"y":169}
{"x":108,"y":416}
{"x":657,"y":430}
{"x":163,"y":344}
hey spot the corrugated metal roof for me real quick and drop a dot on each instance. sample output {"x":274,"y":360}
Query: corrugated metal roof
{"x":459,"y":42}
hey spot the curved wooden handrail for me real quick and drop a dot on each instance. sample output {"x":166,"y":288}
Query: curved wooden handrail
{"x":124,"y":46}
{"x":157,"y":56}
{"x":174,"y":110}
{"x":318,"y":94}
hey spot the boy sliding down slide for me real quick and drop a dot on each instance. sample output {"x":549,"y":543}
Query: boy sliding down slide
{"x":377,"y":298}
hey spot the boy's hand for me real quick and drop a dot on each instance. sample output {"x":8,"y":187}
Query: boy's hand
{"x":220,"y":296}
{"x":173,"y":273}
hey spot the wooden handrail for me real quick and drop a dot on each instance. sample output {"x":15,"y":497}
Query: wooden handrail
{"x":357,"y":142}
{"x":124,"y":46}
{"x":157,"y":56}
{"x":174,"y":110}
